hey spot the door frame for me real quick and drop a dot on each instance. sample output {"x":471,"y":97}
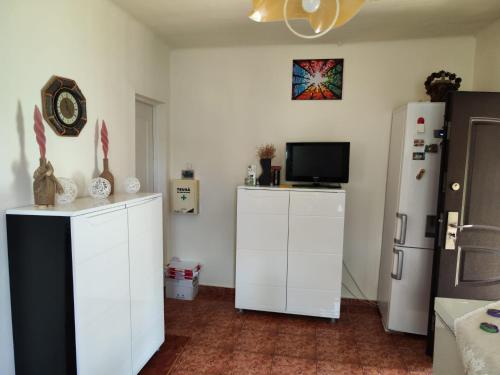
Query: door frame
{"x":156,"y":138}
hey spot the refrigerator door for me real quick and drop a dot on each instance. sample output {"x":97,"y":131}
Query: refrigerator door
{"x":410,"y":290}
{"x":394,"y":164}
{"x":419,"y":175}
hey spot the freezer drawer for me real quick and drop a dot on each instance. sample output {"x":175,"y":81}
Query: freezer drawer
{"x":410,"y":295}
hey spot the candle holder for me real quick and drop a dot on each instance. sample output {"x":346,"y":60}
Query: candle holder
{"x":106,"y":173}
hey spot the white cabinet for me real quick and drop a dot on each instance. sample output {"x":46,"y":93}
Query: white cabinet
{"x":262,"y":228}
{"x":289,"y":250}
{"x":145,"y":239}
{"x":88,"y":279}
{"x":101,"y":292}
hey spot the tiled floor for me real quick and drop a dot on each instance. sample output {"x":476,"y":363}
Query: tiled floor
{"x":208,"y":336}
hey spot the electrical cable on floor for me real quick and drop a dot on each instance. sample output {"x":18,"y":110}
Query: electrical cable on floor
{"x":367,"y":300}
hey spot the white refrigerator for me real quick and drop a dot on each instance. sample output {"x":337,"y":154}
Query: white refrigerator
{"x":410,"y":209}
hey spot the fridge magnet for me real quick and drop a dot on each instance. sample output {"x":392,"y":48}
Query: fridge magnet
{"x":418,"y":142}
{"x":45,"y":184}
{"x":419,"y":156}
{"x":421,"y":125}
{"x":439,"y":133}
{"x":106,"y":173}
{"x":317,"y":79}
{"x":432,"y":148}
{"x":420,"y":174}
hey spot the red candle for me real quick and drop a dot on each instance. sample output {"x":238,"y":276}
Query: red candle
{"x":104,"y":139}
{"x":40,"y":132}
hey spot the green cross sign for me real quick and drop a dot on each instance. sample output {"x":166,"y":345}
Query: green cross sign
{"x":183,"y":197}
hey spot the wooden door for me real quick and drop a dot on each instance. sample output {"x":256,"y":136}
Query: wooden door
{"x":146,"y":280}
{"x":469,"y":244}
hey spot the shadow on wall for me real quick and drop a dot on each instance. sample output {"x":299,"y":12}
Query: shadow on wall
{"x":21,"y":187}
{"x":96,"y":172}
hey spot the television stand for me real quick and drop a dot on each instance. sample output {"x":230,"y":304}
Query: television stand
{"x":318,"y":186}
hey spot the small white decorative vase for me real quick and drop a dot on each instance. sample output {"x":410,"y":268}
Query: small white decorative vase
{"x":132,"y":185}
{"x":70,"y":191}
{"x":99,"y":188}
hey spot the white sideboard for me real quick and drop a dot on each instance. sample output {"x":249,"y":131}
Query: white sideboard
{"x":88,"y":279}
{"x":289,"y":250}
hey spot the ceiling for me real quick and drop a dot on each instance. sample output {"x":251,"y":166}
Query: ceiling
{"x":207,"y":23}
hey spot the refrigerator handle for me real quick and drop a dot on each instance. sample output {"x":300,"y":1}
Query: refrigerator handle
{"x":399,"y":272}
{"x":402,"y":229}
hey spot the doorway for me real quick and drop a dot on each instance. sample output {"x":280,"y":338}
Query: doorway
{"x":145,"y":145}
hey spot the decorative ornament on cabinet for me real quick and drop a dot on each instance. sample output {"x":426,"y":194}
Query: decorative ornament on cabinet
{"x":45,"y":184}
{"x":64,"y":106}
{"x":439,"y":84}
{"x":99,"y":188}
{"x":132,"y":185}
{"x":69,"y":193}
{"x":105,"y":149}
{"x":266,"y":153}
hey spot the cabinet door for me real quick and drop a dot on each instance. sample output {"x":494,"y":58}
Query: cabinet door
{"x":146,"y":280}
{"x":261,"y":255}
{"x":315,"y":243}
{"x":101,"y":293}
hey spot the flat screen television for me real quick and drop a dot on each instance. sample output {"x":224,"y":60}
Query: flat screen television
{"x":318,"y":162}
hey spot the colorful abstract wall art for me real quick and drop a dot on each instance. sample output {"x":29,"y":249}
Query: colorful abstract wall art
{"x":318,"y":79}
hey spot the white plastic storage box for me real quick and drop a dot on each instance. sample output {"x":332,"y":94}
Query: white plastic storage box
{"x":181,"y":289}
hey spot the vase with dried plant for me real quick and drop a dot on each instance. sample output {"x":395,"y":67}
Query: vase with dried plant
{"x":106,"y":173}
{"x":45,"y":184}
{"x":266,"y":153}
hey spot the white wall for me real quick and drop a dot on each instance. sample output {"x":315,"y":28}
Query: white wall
{"x":112,"y":57}
{"x":227,"y":101}
{"x":487,"y":60}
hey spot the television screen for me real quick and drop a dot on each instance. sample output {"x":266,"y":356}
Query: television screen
{"x":318,"y":161}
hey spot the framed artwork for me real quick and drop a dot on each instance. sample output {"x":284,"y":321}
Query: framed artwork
{"x":317,"y":79}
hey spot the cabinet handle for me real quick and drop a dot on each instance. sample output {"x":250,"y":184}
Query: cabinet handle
{"x":399,"y":272}
{"x":402,"y":231}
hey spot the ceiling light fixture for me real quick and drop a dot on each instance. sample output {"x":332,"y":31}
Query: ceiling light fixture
{"x":323,"y":15}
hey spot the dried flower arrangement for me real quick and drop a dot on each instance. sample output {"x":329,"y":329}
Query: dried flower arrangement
{"x":266,"y":151}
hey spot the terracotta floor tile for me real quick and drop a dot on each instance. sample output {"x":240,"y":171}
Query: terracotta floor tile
{"x":415,"y":360}
{"x":208,"y":336}
{"x":298,"y":326}
{"x":202,"y":360}
{"x":246,"y":363}
{"x":216,"y":337}
{"x":381,"y":359}
{"x":335,"y":342}
{"x":345,"y":354}
{"x":293,"y":366}
{"x":367,"y":370}
{"x":296,"y":346}
{"x":335,"y":368}
{"x":407,"y":341}
{"x":260,"y":322}
{"x":163,"y":360}
{"x":256,"y":341}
